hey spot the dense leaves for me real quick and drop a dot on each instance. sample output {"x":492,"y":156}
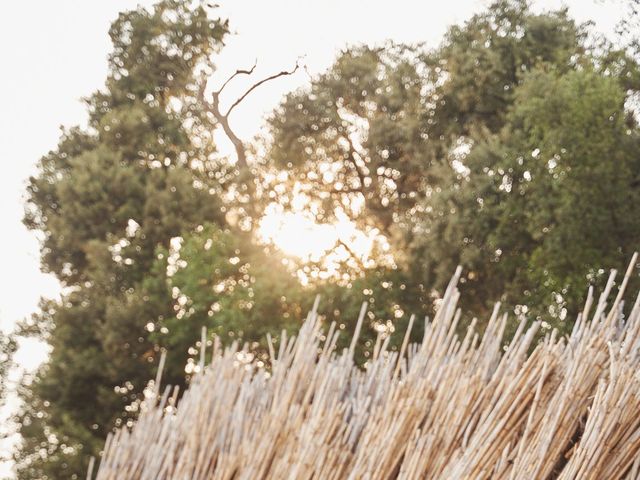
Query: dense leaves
{"x":546,"y":203}
{"x":106,"y":199}
{"x":220,"y":280}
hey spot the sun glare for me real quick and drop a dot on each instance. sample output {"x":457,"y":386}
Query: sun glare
{"x":298,"y":234}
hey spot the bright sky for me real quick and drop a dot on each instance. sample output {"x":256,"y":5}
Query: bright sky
{"x":54,"y":53}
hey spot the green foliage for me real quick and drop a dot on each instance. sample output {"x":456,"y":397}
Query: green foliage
{"x":391,"y":296}
{"x":222,"y":281}
{"x":545,"y":203}
{"x":241,"y":291}
{"x":480,"y":63}
{"x":106,"y":199}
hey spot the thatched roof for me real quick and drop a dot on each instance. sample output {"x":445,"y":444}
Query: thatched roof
{"x":447,"y":408}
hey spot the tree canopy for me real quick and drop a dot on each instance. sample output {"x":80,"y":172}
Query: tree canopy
{"x":105,"y":199}
{"x":511,"y":149}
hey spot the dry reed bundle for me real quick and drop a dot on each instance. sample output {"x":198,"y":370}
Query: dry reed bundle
{"x":448,"y":408}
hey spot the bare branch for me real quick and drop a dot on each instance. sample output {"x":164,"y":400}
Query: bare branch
{"x":213,"y":107}
{"x":238,"y":72}
{"x":353,"y":254}
{"x":263,"y":81}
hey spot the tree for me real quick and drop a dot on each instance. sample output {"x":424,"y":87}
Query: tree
{"x":368,"y":137}
{"x":106,"y":199}
{"x":478,"y":66}
{"x":546,"y":203}
{"x":385,"y":131}
{"x":356,"y":137}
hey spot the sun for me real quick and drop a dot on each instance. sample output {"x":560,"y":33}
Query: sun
{"x":299,"y":235}
{"x":332,"y":245}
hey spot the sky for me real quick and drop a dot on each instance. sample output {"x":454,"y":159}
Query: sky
{"x":54,"y":53}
